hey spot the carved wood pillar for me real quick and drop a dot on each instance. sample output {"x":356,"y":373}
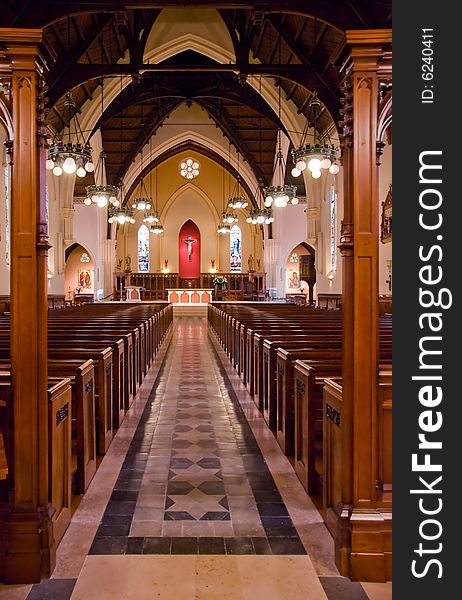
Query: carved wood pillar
{"x":362,"y":531}
{"x":29,"y":546}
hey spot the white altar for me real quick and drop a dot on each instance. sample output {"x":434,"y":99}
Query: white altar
{"x":133,"y":293}
{"x":189,"y":296}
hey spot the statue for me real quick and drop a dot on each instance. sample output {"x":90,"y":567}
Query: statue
{"x":190,"y":242}
{"x":128,"y":264}
{"x":119,"y":264}
{"x":251,"y":264}
{"x":258,"y":264}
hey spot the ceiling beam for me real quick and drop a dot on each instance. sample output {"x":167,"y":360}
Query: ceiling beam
{"x":232,"y":133}
{"x":80,"y":73}
{"x":60,"y":69}
{"x":230,"y":91}
{"x":338,"y":13}
{"x":323,"y":87}
{"x":145,"y":134}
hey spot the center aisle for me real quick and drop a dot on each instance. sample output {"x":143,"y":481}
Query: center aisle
{"x":194,"y":483}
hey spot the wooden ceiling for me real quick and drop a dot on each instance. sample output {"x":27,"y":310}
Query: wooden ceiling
{"x":291,"y":42}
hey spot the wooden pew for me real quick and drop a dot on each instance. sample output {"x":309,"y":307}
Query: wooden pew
{"x":334,"y":465}
{"x":102,"y":361}
{"x":82,"y":380}
{"x":308,"y":390}
{"x":60,"y":453}
{"x":285,"y":389}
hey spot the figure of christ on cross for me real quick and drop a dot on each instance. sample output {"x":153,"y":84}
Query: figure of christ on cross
{"x":190,"y":242}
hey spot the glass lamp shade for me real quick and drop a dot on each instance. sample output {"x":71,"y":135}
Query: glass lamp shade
{"x":296,"y":172}
{"x":334,"y":169}
{"x":49,"y":164}
{"x":316,"y":174}
{"x":326,"y":163}
{"x":102,"y":201}
{"x":87,"y":201}
{"x":314,"y":165}
{"x":89,"y":167}
{"x":69,"y":165}
{"x":294,"y":200}
{"x":57,"y":170}
{"x":280,"y":201}
{"x":301,"y":165}
{"x":81,"y":172}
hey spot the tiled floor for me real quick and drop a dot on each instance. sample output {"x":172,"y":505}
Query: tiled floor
{"x":195,"y":484}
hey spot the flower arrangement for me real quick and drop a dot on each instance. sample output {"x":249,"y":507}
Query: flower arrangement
{"x":220,"y":281}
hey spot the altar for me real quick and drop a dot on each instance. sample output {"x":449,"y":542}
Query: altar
{"x":189,"y":296}
{"x":133,"y":293}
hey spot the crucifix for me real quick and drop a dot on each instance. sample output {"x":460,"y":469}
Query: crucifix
{"x":190,"y":242}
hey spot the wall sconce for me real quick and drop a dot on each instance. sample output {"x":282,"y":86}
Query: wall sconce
{"x":389,"y":280}
{"x":212,"y":269}
{"x":165,"y":268}
{"x":330,"y":277}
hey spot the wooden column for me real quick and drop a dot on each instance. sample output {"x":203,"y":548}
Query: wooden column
{"x":30,"y":551}
{"x":363,"y":530}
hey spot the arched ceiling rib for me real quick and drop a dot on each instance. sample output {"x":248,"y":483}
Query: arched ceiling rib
{"x":194,"y":147}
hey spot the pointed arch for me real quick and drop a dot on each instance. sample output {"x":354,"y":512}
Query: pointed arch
{"x":143,"y":249}
{"x":189,"y":250}
{"x":235,"y":249}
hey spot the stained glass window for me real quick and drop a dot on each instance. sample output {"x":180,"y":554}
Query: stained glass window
{"x":235,"y":254}
{"x":333,"y":229}
{"x":143,"y":249}
{"x":7,"y":208}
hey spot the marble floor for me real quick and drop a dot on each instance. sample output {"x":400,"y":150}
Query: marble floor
{"x":195,"y":500}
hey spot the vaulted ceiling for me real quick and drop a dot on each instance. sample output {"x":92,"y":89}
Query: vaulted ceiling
{"x":293,"y":43}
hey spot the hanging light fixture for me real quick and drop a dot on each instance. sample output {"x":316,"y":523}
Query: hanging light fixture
{"x":237,"y":198}
{"x":227,"y":217}
{"x":153,"y":216}
{"x":104,"y":193}
{"x":101,"y":192}
{"x":70,"y":153}
{"x":142,"y":200}
{"x":279,"y":193}
{"x":260,"y":216}
{"x":121,"y":216}
{"x":157,"y":228}
{"x":224,"y":229}
{"x":316,"y":156}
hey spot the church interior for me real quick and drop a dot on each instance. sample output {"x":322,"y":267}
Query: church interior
{"x":195,"y":300}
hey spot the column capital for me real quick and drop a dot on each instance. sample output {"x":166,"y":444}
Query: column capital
{"x":366,"y":50}
{"x":19,"y":49}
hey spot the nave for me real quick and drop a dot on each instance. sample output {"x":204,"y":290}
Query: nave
{"x":195,"y":499}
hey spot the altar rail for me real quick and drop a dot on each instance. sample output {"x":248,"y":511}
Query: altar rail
{"x":241,"y":286}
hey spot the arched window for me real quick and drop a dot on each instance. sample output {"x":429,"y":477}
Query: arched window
{"x":235,"y":250}
{"x":143,"y":249}
{"x":333,"y":228}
